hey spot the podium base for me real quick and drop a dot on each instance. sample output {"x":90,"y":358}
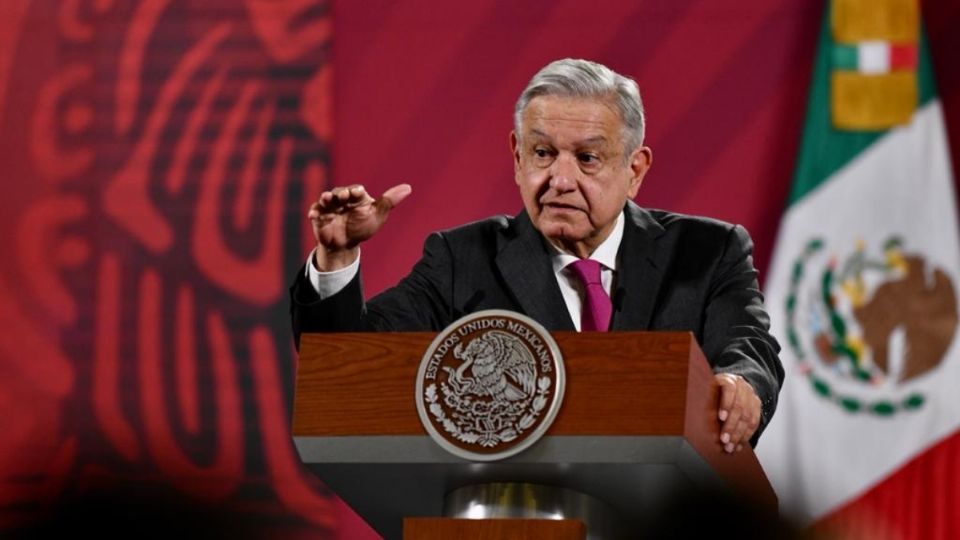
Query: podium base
{"x":492,"y":529}
{"x":505,"y":500}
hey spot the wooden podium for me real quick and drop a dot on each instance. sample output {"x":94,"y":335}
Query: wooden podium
{"x":638,"y":421}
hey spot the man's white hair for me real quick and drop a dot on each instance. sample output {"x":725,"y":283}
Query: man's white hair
{"x":577,"y":78}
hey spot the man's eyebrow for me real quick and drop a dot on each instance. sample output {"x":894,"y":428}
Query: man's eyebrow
{"x":592,"y":140}
{"x":538,"y":133}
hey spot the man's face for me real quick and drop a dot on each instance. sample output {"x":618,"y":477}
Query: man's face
{"x":574,"y":178}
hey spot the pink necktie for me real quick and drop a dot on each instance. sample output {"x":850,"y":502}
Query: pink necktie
{"x":597,"y":307}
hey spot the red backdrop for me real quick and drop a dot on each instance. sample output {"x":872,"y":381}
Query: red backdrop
{"x":158,"y":157}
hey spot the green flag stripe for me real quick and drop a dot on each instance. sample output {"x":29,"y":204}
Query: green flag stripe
{"x":845,"y":57}
{"x":823,"y":149}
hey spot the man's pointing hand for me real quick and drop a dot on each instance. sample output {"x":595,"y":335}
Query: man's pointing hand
{"x":343,"y":217}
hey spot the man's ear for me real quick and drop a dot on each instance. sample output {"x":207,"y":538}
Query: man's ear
{"x":515,"y":149}
{"x":640,"y":161}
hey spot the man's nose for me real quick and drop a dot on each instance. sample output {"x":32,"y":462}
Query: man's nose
{"x":564,"y":173}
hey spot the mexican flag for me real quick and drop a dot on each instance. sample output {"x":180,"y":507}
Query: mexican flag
{"x":863,"y":291}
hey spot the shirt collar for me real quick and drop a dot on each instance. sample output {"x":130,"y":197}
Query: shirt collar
{"x":605,"y":254}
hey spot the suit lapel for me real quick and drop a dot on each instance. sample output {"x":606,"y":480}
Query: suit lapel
{"x":527,"y":271}
{"x":640,"y":271}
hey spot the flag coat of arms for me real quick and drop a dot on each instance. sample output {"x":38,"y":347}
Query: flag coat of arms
{"x":863,"y":285}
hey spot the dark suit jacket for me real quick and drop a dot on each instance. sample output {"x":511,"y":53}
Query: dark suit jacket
{"x":675,"y":272}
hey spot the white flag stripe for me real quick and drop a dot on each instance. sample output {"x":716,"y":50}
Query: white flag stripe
{"x":873,"y":57}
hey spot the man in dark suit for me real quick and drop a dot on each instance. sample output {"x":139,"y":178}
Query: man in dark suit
{"x":581,"y":255}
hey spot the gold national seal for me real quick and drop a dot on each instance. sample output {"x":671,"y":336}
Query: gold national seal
{"x":490,"y":385}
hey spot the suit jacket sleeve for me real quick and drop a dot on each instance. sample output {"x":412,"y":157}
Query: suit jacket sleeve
{"x":735,"y":331}
{"x":421,"y":301}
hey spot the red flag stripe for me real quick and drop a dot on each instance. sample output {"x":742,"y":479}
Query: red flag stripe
{"x":917,"y":501}
{"x":903,"y":56}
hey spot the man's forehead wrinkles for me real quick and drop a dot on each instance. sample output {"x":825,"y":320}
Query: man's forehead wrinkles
{"x":569,"y":121}
{"x":593,"y":139}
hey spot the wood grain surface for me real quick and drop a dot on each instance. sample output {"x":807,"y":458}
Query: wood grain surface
{"x":618,"y":383}
{"x":492,"y":529}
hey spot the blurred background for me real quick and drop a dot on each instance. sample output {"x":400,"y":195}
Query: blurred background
{"x":158,"y":157}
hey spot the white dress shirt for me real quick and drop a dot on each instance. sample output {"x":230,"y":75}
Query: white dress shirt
{"x":329,"y":283}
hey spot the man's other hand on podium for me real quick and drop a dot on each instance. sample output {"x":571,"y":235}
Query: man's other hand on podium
{"x":739,"y":411}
